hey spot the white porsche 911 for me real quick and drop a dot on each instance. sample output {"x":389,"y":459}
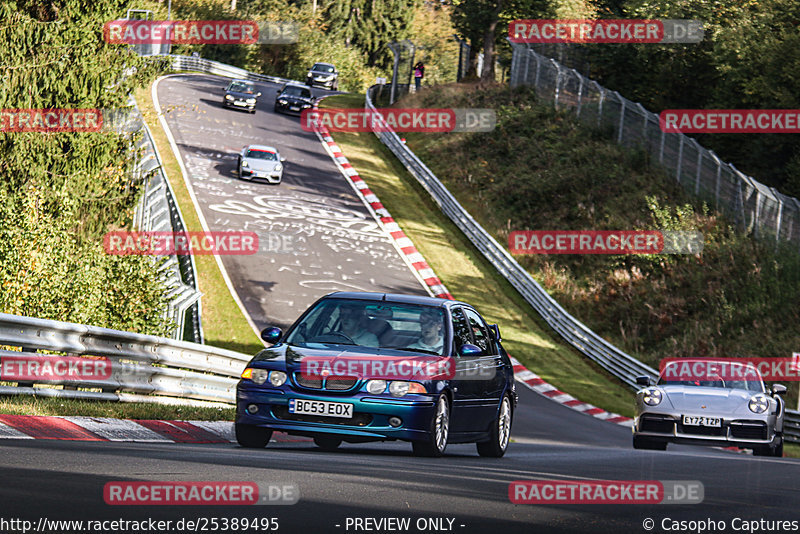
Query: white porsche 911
{"x":259,"y":161}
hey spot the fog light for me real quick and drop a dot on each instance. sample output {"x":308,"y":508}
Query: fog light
{"x":252,"y":409}
{"x":395,"y":421}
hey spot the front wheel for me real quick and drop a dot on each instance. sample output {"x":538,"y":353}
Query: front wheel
{"x":768,"y":450}
{"x":500,"y":433}
{"x":252,"y":437}
{"x":436,"y":442}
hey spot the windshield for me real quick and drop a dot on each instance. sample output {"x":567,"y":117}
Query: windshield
{"x":297,"y":91}
{"x":406,"y":327}
{"x":737,"y":377}
{"x":242,"y":87}
{"x":319,"y":67}
{"x":262,"y":154}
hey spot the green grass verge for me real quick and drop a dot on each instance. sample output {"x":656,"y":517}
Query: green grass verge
{"x":224,"y":325}
{"x":27,"y":405}
{"x":469,"y":277}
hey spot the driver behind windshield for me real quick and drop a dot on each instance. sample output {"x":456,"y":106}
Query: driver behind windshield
{"x":430,"y":325}
{"x":352,"y":323}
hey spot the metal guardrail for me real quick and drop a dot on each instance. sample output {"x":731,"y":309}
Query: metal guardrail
{"x":194,"y":63}
{"x":158,"y":211}
{"x":626,"y":368}
{"x":143,"y":368}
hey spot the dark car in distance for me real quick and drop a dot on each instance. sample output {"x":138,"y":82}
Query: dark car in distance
{"x":294,"y":97}
{"x":324,"y":75}
{"x":241,"y":94}
{"x":356,"y":367}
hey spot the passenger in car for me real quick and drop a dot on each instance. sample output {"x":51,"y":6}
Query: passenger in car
{"x":430,"y":324}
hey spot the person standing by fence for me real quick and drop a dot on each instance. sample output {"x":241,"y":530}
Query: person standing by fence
{"x":419,"y":73}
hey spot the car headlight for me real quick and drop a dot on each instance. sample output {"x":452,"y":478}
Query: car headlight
{"x":251,"y":100}
{"x":310,"y":74}
{"x":277,"y":378}
{"x":399,"y":388}
{"x":283,"y":101}
{"x":376,"y":386}
{"x":258,"y":376}
{"x":228,"y":97}
{"x":278,"y":167}
{"x":652,"y":397}
{"x":759,"y":403}
{"x":245,"y":164}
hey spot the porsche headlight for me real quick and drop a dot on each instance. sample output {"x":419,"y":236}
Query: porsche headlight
{"x":376,"y":386}
{"x":251,"y":100}
{"x":652,"y":396}
{"x":278,"y":167}
{"x":277,"y":378}
{"x":245,"y":164}
{"x":228,"y":97}
{"x":310,"y":74}
{"x":283,"y":101}
{"x":758,"y":403}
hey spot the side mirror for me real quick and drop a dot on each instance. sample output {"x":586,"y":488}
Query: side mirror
{"x":643,"y":380}
{"x":468,"y":349}
{"x":271,"y":334}
{"x":495,"y":331}
{"x":778,"y":389}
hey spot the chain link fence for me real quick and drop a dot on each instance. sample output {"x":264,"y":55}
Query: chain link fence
{"x":753,"y":207}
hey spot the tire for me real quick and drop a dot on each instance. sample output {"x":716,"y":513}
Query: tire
{"x":438,"y":431}
{"x":252,"y":437}
{"x":767,"y":450}
{"x":327,"y":443}
{"x":500,"y":432}
{"x":648,"y":444}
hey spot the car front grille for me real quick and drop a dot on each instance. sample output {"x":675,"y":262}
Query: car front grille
{"x":656,"y":423}
{"x":331,"y":383}
{"x":358,"y":419}
{"x":749,"y":430}
{"x":701,"y":430}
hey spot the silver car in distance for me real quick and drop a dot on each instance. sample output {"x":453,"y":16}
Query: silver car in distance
{"x":731,"y":411}
{"x":259,"y":161}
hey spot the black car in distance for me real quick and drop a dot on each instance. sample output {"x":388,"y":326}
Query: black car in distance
{"x":241,"y":94}
{"x":294,"y":97}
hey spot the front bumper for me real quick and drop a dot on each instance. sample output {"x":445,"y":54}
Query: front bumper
{"x":239,"y":104}
{"x":293,"y":107}
{"x":316,"y":82}
{"x":746,"y":433}
{"x":273,"y":177}
{"x":370,"y":419}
